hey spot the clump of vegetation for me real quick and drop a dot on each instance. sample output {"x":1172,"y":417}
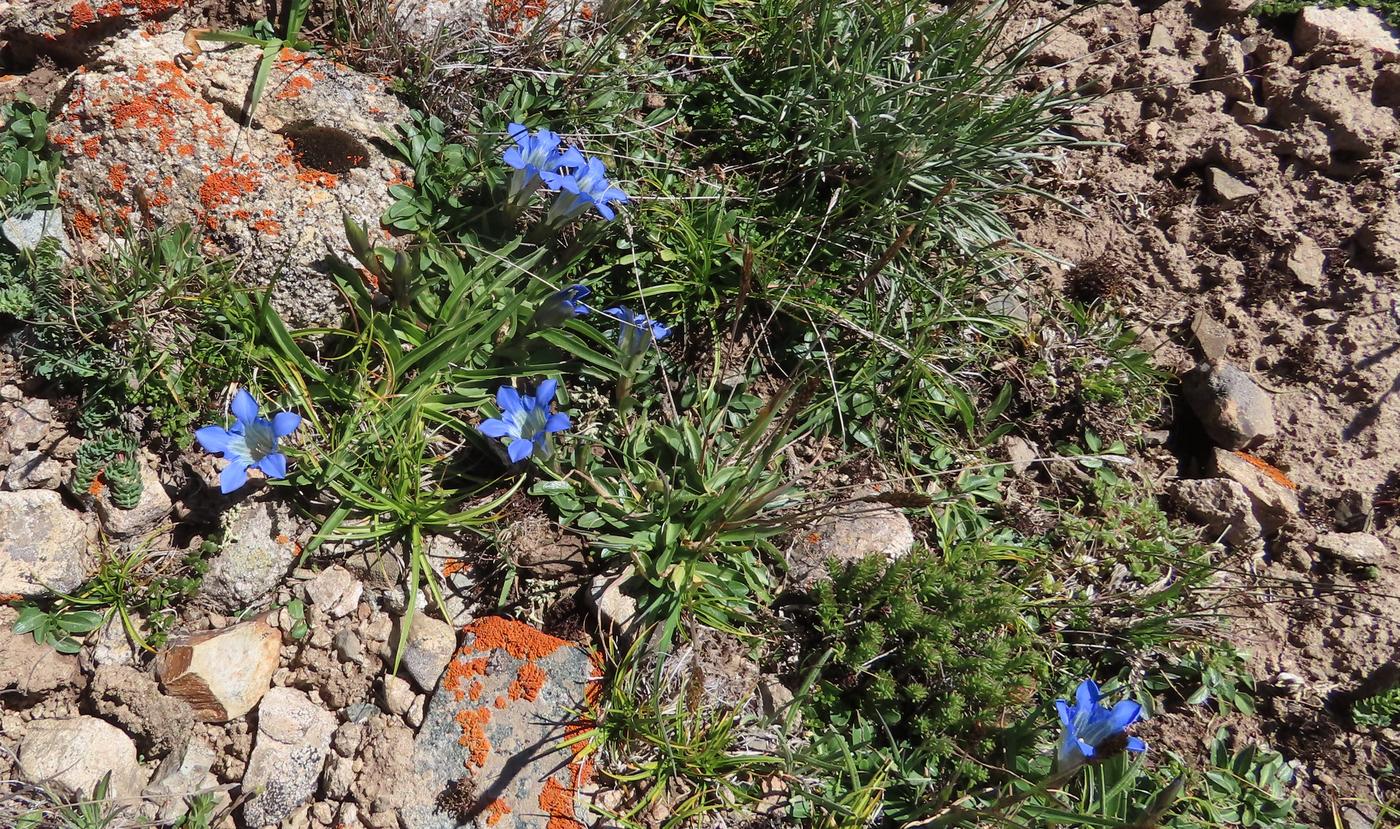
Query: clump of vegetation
{"x":933,"y":651}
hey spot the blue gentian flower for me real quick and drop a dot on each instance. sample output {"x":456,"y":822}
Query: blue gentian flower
{"x":526,"y":421}
{"x":250,"y":442}
{"x":561,"y":306}
{"x":1090,"y":727}
{"x":638,"y":332}
{"x":534,"y":155}
{"x":581,"y":185}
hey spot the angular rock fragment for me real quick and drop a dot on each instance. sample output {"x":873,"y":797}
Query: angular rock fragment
{"x":335,"y":590}
{"x":431,"y":643}
{"x":1234,"y":410}
{"x":294,"y":735}
{"x":1222,"y":507}
{"x":43,"y":544}
{"x":1274,"y":498}
{"x":1319,"y":26}
{"x":223,"y":673}
{"x":77,"y":752}
{"x":1227,"y":189}
{"x":257,"y":551}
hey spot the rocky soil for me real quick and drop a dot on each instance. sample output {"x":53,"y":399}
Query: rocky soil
{"x":1247,"y":216}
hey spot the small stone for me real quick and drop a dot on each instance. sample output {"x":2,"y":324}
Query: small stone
{"x":1225,"y":69}
{"x":1307,"y":263}
{"x":1211,"y":336}
{"x":221,"y":674}
{"x":32,"y":469}
{"x":257,"y":551}
{"x":26,"y":666}
{"x":338,"y":777}
{"x":431,"y":643}
{"x":1227,"y":189}
{"x":1249,"y":114}
{"x":1379,"y":239}
{"x":11,"y":393}
{"x":1289,"y":684}
{"x":43,"y":544}
{"x":1319,"y":26}
{"x":416,"y":712}
{"x":347,"y":738}
{"x":1228,"y":8}
{"x":1273,"y":502}
{"x":152,"y":508}
{"x":1009,"y":305}
{"x":322,"y":813}
{"x":360,"y":712}
{"x":348,"y":647}
{"x":294,"y":736}
{"x":1160,"y":40}
{"x":1358,"y":548}
{"x":617,"y":609}
{"x":335,"y":590}
{"x":27,"y":231}
{"x":27,"y":423}
{"x":77,"y":753}
{"x":850,"y":532}
{"x":183,"y":772}
{"x":1222,"y":507}
{"x":1234,"y":410}
{"x":1020,"y":452}
{"x":396,"y":695}
{"x":110,"y":645}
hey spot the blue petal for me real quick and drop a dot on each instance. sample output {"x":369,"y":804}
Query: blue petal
{"x":1123,"y":715}
{"x":519,"y":450}
{"x":273,"y":465}
{"x":244,"y":407}
{"x":545,"y":393}
{"x":557,"y":422}
{"x":1063,"y":707}
{"x":659,"y":332}
{"x":284,"y":423}
{"x":570,"y":159}
{"x":1069,"y":749}
{"x":604,"y":211}
{"x":1086,"y":696}
{"x":494,"y":428}
{"x":508,"y":399}
{"x":513,"y":158}
{"x":620,"y":313}
{"x":517,"y":131}
{"x":1136,"y":744}
{"x":234,"y":476}
{"x":1084,"y":748}
{"x":213,"y":438}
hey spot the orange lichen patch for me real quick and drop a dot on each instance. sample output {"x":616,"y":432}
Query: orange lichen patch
{"x":7,"y":598}
{"x":813,"y":538}
{"x":110,"y":10}
{"x":116,"y":177}
{"x":222,"y":187}
{"x":459,"y":671}
{"x":474,"y":690}
{"x":186,"y":150}
{"x":528,"y":682}
{"x":318,"y":177}
{"x":497,"y":810}
{"x":82,"y":15}
{"x":500,"y":702}
{"x":455,"y":565}
{"x":473,"y":722}
{"x":95,"y":488}
{"x":84,"y":223}
{"x":586,"y":11}
{"x":294,"y":86}
{"x":268,"y":227}
{"x":283,"y":539}
{"x":1268,"y":469}
{"x":155,"y":8}
{"x":515,"y":638}
{"x":558,"y":803}
{"x":92,"y":145}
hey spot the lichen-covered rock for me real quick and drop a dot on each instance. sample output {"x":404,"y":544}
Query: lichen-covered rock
{"x":501,"y":21}
{"x":152,"y":136}
{"x":67,"y":30}
{"x":294,"y":735}
{"x":258,"y":547}
{"x":490,"y":746}
{"x":43,"y":544}
{"x":849,"y":532}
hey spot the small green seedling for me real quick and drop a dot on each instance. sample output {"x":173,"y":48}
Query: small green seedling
{"x":297,"y":610}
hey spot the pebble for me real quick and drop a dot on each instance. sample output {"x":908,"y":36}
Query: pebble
{"x":1234,"y":410}
{"x":396,"y":694}
{"x":1227,"y":189}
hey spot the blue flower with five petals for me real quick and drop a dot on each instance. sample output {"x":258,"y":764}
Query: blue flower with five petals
{"x":582,"y":182}
{"x":1090,"y":727}
{"x":638,"y":331}
{"x":526,"y":420}
{"x":535,"y":154}
{"x":251,"y":442}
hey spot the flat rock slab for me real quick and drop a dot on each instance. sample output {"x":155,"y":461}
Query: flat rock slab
{"x":491,"y":751}
{"x":77,"y":752}
{"x":152,"y":136}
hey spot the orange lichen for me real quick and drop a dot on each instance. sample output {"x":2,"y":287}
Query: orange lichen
{"x":558,"y":803}
{"x":515,"y":638}
{"x":92,"y":145}
{"x":7,"y":598}
{"x":84,"y":223}
{"x":528,"y":682}
{"x":318,"y":177}
{"x":222,"y":187}
{"x":497,"y":810}
{"x":454,"y":565}
{"x":473,"y":722}
{"x":500,"y":702}
{"x":154,"y":8}
{"x":110,"y":10}
{"x":268,"y":227}
{"x":459,"y":671}
{"x":1268,"y":469}
{"x":116,"y":176}
{"x":814,"y":537}
{"x":474,"y":690}
{"x":95,"y":488}
{"x":294,"y":86}
{"x":82,"y":15}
